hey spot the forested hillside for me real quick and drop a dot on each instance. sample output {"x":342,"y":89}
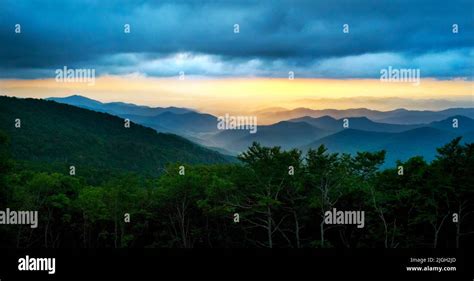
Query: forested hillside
{"x":67,"y":135}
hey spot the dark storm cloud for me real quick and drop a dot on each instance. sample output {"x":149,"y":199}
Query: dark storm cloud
{"x":274,"y":35}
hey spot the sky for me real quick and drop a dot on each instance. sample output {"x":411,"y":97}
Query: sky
{"x":189,"y":53}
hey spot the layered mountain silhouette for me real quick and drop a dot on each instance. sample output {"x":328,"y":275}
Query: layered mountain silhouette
{"x":117,"y":108}
{"x":189,"y":123}
{"x":181,"y":121}
{"x":421,"y":141}
{"x":284,"y":134}
{"x":397,"y":116}
{"x":68,"y":135}
{"x":402,"y":133}
{"x":358,"y":123}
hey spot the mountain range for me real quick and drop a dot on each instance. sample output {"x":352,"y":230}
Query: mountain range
{"x":360,"y":123}
{"x":181,"y":121}
{"x":421,"y":141}
{"x":400,"y":141}
{"x":403,"y":133}
{"x":397,"y":116}
{"x":117,"y":108}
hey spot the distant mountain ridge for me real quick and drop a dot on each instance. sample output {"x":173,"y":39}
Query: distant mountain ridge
{"x":358,"y":123}
{"x":362,"y":134}
{"x":181,"y":121}
{"x":285,"y":134}
{"x":398,"y":116}
{"x":117,"y":108}
{"x":421,"y":141}
{"x":185,"y":123}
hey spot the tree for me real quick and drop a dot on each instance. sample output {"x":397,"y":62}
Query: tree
{"x":327,"y":175}
{"x":262,"y":193}
{"x":177,"y":198}
{"x":395,"y":201}
{"x":452,"y":170}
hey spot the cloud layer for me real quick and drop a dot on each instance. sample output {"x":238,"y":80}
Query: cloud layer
{"x":275,"y":37}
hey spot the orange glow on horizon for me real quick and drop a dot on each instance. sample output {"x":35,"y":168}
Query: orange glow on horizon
{"x":235,"y":94}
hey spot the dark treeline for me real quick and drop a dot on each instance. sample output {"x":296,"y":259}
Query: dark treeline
{"x":280,"y":197}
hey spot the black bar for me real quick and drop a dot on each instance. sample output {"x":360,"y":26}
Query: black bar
{"x":235,"y":264}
